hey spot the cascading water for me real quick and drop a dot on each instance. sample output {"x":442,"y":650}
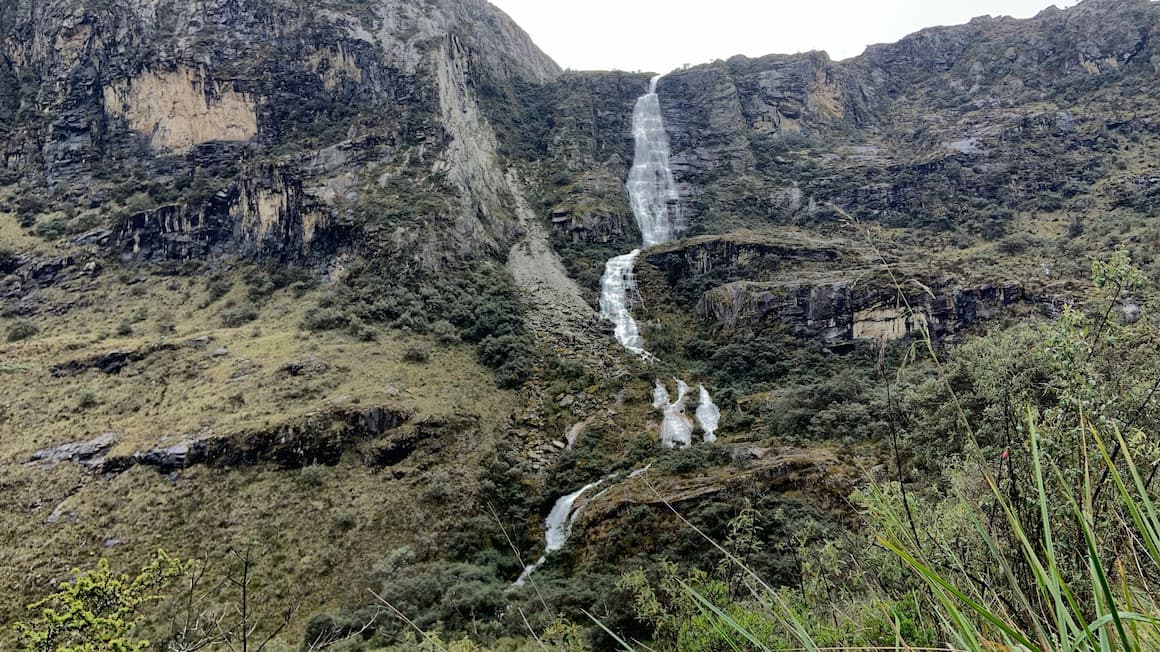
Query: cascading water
{"x":557,"y":527}
{"x":615,"y":301}
{"x":652,"y":191}
{"x":708,"y":414}
{"x":651,"y":186}
{"x":676,"y":429}
{"x":661,"y":397}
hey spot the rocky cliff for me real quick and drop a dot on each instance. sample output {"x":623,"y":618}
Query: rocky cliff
{"x":255,"y":128}
{"x":340,"y":259}
{"x":951,"y":128}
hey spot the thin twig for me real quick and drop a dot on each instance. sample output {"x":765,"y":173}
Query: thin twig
{"x":519,"y":558}
{"x":530,"y":629}
{"x":410,"y":623}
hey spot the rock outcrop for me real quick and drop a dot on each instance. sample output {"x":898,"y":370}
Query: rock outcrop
{"x":259,"y":124}
{"x":319,"y":438}
{"x":840,"y":312}
{"x":951,"y":127}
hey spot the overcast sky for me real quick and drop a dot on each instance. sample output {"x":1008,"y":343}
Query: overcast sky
{"x":660,"y":35}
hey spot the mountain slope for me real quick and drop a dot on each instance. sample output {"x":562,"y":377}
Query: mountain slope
{"x":323,"y":276}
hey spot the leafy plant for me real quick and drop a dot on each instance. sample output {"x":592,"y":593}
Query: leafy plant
{"x":21,"y":330}
{"x":98,"y":610}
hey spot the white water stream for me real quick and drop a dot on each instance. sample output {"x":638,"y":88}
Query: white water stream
{"x":708,"y":415}
{"x":676,"y":429}
{"x":652,"y":191}
{"x":651,"y":186}
{"x":616,"y":289}
{"x":557,"y":527}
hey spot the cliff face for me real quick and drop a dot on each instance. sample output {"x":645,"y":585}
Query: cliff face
{"x":983,"y":110}
{"x":257,"y":127}
{"x":990,"y":139}
{"x":351,"y":173}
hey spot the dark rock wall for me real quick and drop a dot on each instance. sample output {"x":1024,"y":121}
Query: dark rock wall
{"x":194,"y":105}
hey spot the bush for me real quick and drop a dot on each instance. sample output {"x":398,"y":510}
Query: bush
{"x":363,"y":330}
{"x":313,"y":475}
{"x":22,"y":330}
{"x":685,"y":461}
{"x":750,"y":364}
{"x":238,"y":316}
{"x":324,"y":319}
{"x":444,"y":332}
{"x":455,"y":597}
{"x":8,"y":260}
{"x":416,"y":353}
{"x":98,"y":609}
{"x":511,"y":356}
{"x":216,"y":287}
{"x":87,"y":399}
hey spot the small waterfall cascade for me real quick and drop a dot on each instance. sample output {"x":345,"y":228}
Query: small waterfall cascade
{"x":616,"y":288}
{"x":676,"y":428}
{"x":558,"y":525}
{"x":557,"y":528}
{"x":708,"y":414}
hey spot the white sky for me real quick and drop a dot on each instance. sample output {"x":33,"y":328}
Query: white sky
{"x":661,"y":35}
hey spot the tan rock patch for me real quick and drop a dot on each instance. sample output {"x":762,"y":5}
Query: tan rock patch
{"x":182,"y":108}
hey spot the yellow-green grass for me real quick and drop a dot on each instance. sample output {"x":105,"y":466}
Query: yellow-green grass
{"x":187,"y":390}
{"x":325,"y":528}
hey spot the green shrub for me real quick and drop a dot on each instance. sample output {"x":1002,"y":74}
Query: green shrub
{"x":511,"y":356}
{"x":444,"y":332}
{"x":22,"y":330}
{"x":453,"y":597}
{"x":324,"y":319}
{"x":363,"y":330}
{"x":216,"y":286}
{"x":690,"y":460}
{"x":98,"y":610}
{"x":313,"y":475}
{"x":87,"y":399}
{"x":236,"y":316}
{"x":416,"y":353}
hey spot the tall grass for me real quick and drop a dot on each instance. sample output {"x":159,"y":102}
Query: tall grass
{"x":1112,"y":605}
{"x":1048,"y":563}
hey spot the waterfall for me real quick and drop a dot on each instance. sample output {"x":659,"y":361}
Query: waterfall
{"x":557,"y":528}
{"x":652,"y":192}
{"x":676,"y":429}
{"x":660,"y":396}
{"x":558,"y":525}
{"x":708,"y":414}
{"x":651,"y":186}
{"x":615,"y":302}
